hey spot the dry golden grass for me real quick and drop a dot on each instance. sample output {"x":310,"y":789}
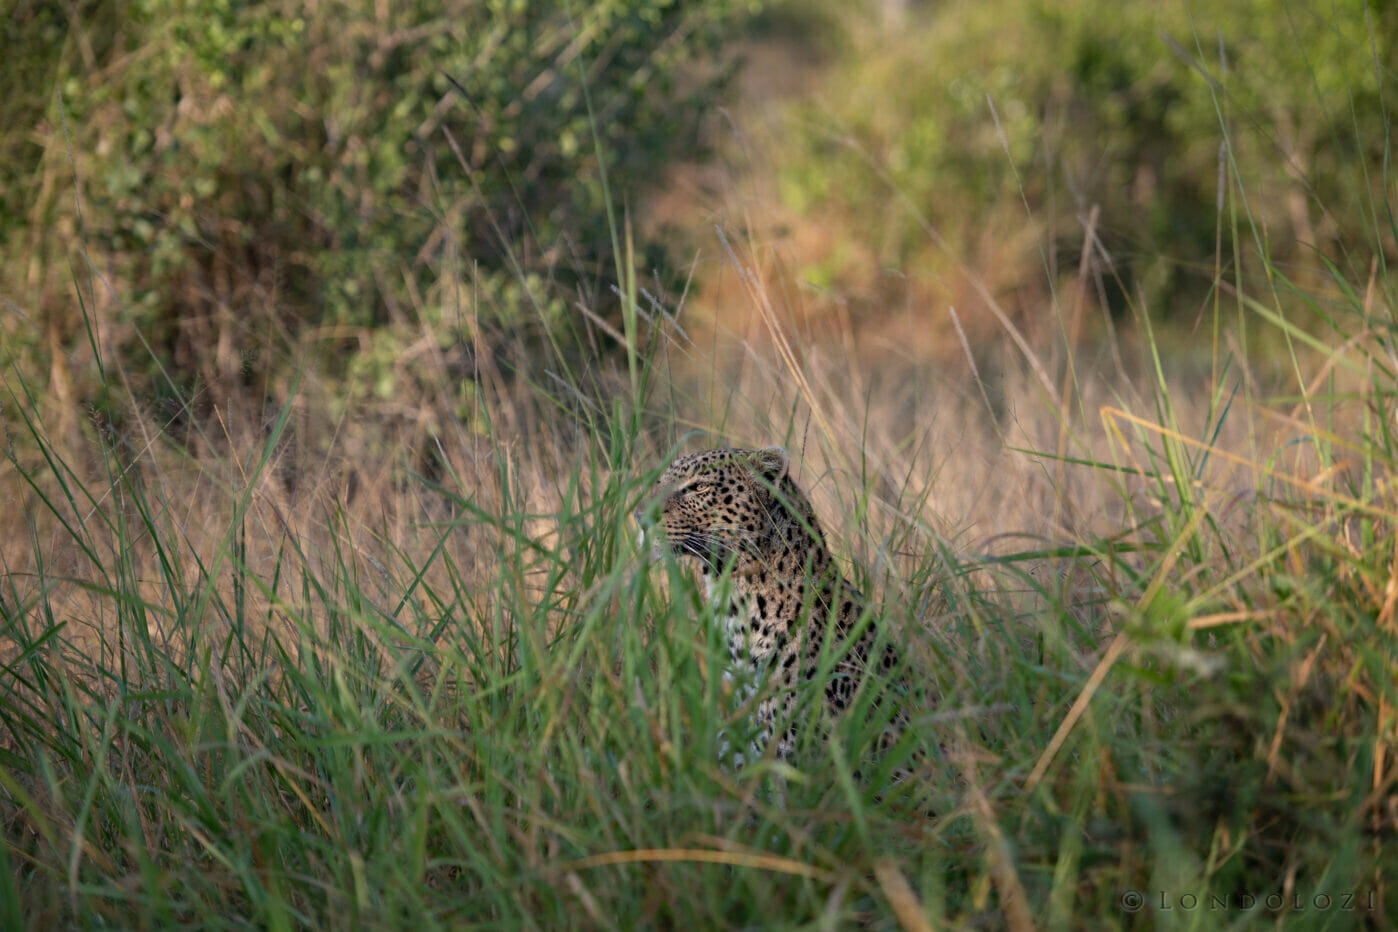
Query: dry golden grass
{"x":904,"y":451}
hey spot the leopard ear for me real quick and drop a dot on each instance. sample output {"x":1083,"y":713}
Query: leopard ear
{"x":772,"y":462}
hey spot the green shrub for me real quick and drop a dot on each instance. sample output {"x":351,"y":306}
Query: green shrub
{"x":256,"y":169}
{"x":1121,"y":106}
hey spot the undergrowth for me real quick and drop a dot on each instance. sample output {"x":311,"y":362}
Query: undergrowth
{"x":494,"y":711}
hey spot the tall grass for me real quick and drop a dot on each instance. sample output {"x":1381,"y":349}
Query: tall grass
{"x":272,"y":675}
{"x":245,"y":689}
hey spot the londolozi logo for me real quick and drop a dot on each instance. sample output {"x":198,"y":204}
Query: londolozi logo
{"x":1133,"y":901}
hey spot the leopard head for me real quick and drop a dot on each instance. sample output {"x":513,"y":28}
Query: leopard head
{"x":720,"y":505}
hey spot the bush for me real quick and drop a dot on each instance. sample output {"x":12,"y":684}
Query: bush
{"x":263,"y":169}
{"x":1121,"y":106}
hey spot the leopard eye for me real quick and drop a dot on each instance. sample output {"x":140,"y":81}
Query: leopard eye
{"x":701,"y":488}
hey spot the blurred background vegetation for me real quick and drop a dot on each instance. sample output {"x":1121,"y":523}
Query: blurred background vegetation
{"x":997,"y":116}
{"x":234,"y":190}
{"x":259,"y":185}
{"x":985,"y":135}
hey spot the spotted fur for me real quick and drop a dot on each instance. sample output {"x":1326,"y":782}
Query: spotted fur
{"x":783,"y":595}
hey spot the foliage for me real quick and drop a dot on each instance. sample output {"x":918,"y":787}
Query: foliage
{"x":258,"y":174}
{"x":982,"y":120}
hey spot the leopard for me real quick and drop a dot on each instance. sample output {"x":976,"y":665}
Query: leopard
{"x":739,"y":518}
